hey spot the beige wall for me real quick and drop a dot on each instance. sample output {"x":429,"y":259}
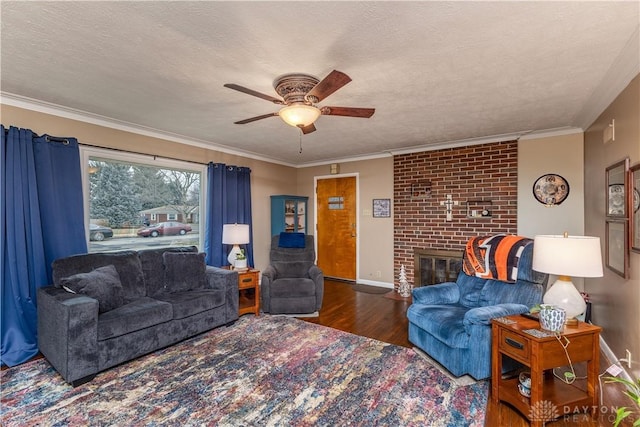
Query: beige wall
{"x":562,"y":155}
{"x":616,"y":301}
{"x":266,"y":178}
{"x":375,"y":235}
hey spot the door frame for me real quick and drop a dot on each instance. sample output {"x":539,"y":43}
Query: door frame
{"x":315,"y":212}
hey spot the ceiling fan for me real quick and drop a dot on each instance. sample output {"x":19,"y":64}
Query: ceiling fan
{"x":300,"y":93}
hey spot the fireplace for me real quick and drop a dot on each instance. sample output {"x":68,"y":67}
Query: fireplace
{"x":432,"y":266}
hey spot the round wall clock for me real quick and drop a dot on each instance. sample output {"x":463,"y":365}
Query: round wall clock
{"x":551,"y":189}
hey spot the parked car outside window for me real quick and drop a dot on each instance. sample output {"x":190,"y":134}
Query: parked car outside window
{"x":98,"y":233}
{"x":168,"y":228}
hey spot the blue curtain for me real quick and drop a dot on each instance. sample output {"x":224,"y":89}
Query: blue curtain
{"x":228,"y":202}
{"x":42,"y":220}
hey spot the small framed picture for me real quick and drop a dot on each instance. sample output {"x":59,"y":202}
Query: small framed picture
{"x":617,"y":190}
{"x":634,"y":203}
{"x":616,"y":247}
{"x":381,"y":208}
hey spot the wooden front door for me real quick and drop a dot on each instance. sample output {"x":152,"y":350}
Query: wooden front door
{"x":336,"y":233}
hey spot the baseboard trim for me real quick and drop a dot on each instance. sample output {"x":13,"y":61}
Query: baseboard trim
{"x":374,"y":283}
{"x":612,"y":359}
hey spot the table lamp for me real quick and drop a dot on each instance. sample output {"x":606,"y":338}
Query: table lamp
{"x":236,"y":235}
{"x":566,"y":256}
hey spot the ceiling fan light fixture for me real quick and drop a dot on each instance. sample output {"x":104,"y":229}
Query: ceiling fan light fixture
{"x":299,"y":115}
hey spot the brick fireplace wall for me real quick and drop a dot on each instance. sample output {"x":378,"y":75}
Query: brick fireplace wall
{"x":422,"y":180}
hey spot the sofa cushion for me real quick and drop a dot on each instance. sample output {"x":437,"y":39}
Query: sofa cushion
{"x":445,"y":322}
{"x":188,"y":303}
{"x":126,"y":263}
{"x":134,"y":316}
{"x":522,"y":292}
{"x":184,"y":271}
{"x":153,"y":267}
{"x":292,"y":269}
{"x":292,"y":288}
{"x":102,"y":284}
{"x":470,"y":289}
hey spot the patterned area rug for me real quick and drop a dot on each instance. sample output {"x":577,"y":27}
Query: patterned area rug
{"x":262,"y":371}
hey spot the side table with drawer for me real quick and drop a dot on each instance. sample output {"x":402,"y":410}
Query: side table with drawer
{"x":248,"y":282}
{"x":523,"y":340}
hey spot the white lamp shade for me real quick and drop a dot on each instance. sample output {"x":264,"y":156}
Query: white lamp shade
{"x":235,"y":234}
{"x":297,"y":115}
{"x":565,"y":256}
{"x":575,"y":256}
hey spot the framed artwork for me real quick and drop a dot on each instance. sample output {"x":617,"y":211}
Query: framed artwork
{"x":617,"y":258}
{"x":635,"y":207}
{"x":551,"y":189}
{"x":616,"y":186}
{"x":381,"y":208}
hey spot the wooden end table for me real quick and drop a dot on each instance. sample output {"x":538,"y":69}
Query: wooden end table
{"x":248,"y":279}
{"x":515,"y":337}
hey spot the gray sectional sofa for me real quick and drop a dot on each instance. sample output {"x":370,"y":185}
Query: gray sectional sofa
{"x":107,"y":308}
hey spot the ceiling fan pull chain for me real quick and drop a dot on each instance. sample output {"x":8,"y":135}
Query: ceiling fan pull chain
{"x":300,"y":152}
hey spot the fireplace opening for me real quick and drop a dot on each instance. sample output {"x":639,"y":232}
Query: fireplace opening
{"x":432,"y":266}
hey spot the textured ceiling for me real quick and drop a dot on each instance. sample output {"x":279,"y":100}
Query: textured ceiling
{"x":436,"y":72}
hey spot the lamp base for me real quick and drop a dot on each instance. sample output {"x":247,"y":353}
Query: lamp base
{"x":232,"y":254}
{"x":573,"y":322}
{"x":564,"y":294}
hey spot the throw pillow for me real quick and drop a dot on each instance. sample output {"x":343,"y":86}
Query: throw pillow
{"x":291,"y":240}
{"x":184,"y":271}
{"x":102,"y":284}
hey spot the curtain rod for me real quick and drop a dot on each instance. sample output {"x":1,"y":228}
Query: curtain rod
{"x":141,"y":154}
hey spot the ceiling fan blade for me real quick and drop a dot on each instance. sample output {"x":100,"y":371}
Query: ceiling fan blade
{"x":253,"y":119}
{"x":308,"y":129}
{"x":254,"y":93}
{"x":348,"y":111}
{"x":334,"y":81}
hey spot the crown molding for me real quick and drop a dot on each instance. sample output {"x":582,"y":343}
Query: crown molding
{"x":82,"y":116}
{"x":515,"y":136}
{"x":550,"y":133}
{"x":96,"y":119}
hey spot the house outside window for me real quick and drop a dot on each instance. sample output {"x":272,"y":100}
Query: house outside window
{"x":130,"y":200}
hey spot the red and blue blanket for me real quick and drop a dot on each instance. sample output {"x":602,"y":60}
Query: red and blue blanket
{"x":494,"y":257}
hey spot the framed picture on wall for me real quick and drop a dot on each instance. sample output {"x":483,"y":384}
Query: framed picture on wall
{"x":617,"y":253}
{"x":634,"y":203}
{"x":617,"y":190}
{"x":381,"y":208}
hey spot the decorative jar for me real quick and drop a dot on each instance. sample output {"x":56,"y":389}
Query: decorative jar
{"x":552,"y":318}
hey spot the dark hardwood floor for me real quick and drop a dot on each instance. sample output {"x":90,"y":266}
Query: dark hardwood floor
{"x":377,"y":316}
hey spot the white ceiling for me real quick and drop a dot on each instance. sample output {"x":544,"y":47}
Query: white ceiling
{"x":436,"y":72}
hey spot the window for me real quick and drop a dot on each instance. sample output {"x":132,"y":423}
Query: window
{"x":137,"y":202}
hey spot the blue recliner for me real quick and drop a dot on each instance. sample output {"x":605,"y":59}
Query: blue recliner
{"x":451,"y":322}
